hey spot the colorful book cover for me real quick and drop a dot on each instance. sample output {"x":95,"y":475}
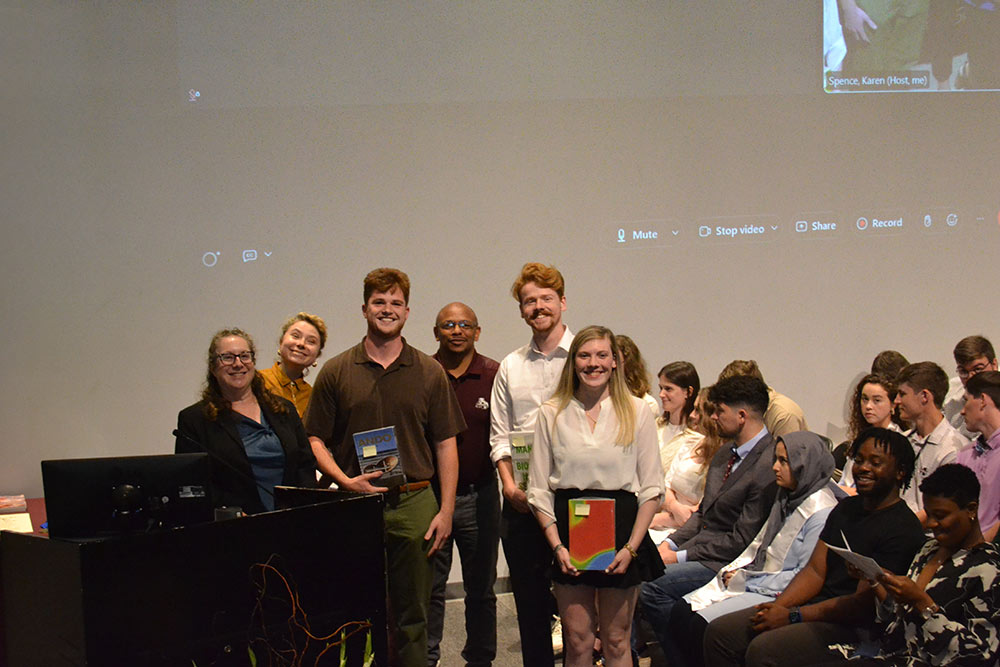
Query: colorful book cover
{"x":591,"y":533}
{"x":377,"y":452}
{"x":520,"y":454}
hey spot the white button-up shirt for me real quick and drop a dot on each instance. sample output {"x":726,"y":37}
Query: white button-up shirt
{"x":526,"y":379}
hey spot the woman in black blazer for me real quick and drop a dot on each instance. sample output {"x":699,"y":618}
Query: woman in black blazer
{"x":255,"y":439}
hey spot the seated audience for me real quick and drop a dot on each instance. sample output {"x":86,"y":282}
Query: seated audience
{"x":636,"y":374}
{"x":973,"y":354}
{"x":255,"y":439}
{"x":684,"y":482}
{"x":818,"y":607}
{"x":739,"y":492}
{"x":982,"y":417}
{"x":783,"y":414}
{"x":679,"y":385}
{"x":872,"y":405}
{"x":806,"y":494}
{"x":946,"y":610}
{"x":302,"y":339}
{"x":920,"y":391}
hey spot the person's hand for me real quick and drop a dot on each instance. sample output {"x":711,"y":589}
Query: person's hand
{"x":667,"y":555}
{"x":517,"y":498}
{"x":561,"y":556}
{"x":439,"y":530}
{"x":769,"y":616}
{"x":855,"y":20}
{"x":855,"y":573}
{"x":621,"y":562}
{"x":363,"y":483}
{"x":905,"y":590}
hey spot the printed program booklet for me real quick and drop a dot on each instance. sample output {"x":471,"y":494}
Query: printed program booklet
{"x":591,"y":533}
{"x":378,"y":452}
{"x":520,"y":454}
{"x":871,"y":569}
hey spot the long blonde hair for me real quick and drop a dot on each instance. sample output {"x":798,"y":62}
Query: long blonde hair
{"x":621,"y":399}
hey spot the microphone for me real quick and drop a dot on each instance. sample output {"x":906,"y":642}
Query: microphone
{"x":201,"y":448}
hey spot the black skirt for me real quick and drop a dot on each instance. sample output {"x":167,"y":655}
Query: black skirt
{"x":646,"y":567}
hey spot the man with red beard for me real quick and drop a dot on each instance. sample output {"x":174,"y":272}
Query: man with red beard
{"x":527,"y":378}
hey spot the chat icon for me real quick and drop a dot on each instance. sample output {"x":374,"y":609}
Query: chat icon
{"x":249,"y":255}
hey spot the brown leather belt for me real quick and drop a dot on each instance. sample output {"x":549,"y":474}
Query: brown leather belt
{"x":410,"y":486}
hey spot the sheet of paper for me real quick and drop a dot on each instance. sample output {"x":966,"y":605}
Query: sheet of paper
{"x":868,"y":566}
{"x":16,"y":523}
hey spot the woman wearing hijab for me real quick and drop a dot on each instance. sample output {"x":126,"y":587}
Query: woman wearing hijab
{"x":803,"y":466}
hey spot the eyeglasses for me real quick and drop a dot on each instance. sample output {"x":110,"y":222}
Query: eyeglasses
{"x":975,"y":370}
{"x":228,"y":358}
{"x":464,"y":325}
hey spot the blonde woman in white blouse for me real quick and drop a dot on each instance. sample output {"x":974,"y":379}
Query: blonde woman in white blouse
{"x":593,"y":438}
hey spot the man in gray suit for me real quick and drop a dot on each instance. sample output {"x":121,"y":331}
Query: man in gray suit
{"x":739,"y":491}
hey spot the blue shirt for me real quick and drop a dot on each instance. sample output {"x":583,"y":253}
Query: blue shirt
{"x":267,"y":458}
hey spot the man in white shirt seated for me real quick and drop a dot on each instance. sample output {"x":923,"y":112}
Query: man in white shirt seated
{"x":922,"y":388}
{"x":973,"y":354}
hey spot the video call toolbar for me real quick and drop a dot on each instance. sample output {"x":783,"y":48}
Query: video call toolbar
{"x":807,"y":225}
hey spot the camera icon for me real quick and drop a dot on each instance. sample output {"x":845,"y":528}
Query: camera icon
{"x":704,"y":231}
{"x":249,"y":255}
{"x":801,"y":226}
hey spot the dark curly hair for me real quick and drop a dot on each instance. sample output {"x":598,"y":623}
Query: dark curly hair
{"x":215,"y":403}
{"x":891,"y":442}
{"x":857,"y":422}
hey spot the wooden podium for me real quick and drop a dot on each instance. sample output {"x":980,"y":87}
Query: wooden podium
{"x":201,"y":595}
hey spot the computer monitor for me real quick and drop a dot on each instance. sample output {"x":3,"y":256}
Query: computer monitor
{"x":104,"y":497}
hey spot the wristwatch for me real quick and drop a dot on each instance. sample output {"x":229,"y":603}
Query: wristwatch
{"x":794,"y":615}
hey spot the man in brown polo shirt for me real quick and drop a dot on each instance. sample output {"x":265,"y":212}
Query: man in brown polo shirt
{"x":380,"y":382}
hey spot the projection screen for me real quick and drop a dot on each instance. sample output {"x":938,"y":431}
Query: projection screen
{"x":712,"y":178}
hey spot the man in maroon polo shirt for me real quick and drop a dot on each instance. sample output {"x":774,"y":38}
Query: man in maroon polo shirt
{"x":476,"y":522}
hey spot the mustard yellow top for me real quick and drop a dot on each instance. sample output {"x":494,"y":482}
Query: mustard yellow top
{"x":296,"y":391}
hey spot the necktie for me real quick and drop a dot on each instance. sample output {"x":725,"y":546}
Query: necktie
{"x":980,"y":446}
{"x":729,"y":466}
